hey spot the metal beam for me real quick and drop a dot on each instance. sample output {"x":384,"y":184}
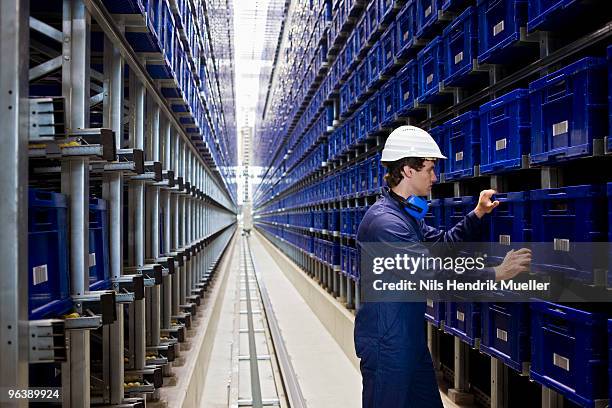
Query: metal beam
{"x":44,"y":69}
{"x":14,"y":114}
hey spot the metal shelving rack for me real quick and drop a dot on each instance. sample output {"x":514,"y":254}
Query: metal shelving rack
{"x":158,"y":277}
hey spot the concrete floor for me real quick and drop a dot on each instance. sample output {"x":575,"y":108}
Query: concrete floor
{"x":327,"y":377}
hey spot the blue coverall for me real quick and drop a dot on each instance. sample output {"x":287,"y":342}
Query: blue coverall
{"x":390,"y":337}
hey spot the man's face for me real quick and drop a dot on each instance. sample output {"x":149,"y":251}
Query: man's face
{"x":422,"y":180}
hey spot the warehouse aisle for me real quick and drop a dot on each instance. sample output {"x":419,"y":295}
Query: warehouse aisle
{"x":326,"y":377}
{"x":218,"y":375}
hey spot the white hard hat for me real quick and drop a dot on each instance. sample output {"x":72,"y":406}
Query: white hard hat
{"x":410,"y":141}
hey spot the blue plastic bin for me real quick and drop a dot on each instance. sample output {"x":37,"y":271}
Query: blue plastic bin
{"x":99,"y":255}
{"x":455,"y":208}
{"x":345,"y":260}
{"x":386,"y":10}
{"x":427,"y":16}
{"x":405,"y":27}
{"x":362,"y":78}
{"x":439,"y":135}
{"x":511,"y":220}
{"x":362,"y":124}
{"x":430,"y":64}
{"x":504,"y":132}
{"x":48,"y":268}
{"x":374,"y":64}
{"x":460,"y":48}
{"x":372,"y":17}
{"x":462,"y":146}
{"x":373,"y":173}
{"x":364,"y":177}
{"x":553,"y":15}
{"x":505,"y":333}
{"x":564,"y":216}
{"x":463,"y":320}
{"x":388,"y":102}
{"x":499,"y":24}
{"x":148,"y":40}
{"x":407,"y":80}
{"x":374,"y":112}
{"x":333,"y":220}
{"x":435,"y":214}
{"x":568,"y":109}
{"x":569,"y":352}
{"x":387,"y":49}
{"x":435,"y":312}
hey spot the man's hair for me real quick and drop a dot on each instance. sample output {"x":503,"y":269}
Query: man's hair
{"x":394,"y":169}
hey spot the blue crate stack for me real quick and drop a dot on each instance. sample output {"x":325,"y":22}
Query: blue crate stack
{"x":501,"y":108}
{"x":48,"y":262}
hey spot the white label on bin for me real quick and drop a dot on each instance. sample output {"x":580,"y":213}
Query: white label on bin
{"x":459,"y":57}
{"x":460,"y":316}
{"x":428,"y":11}
{"x":459,"y":156}
{"x":561,"y":244}
{"x":560,"y":128}
{"x":92,"y":259}
{"x":39,"y":274}
{"x":504,"y":239}
{"x":429,"y":79}
{"x":406,"y":95}
{"x":406,"y":35}
{"x":500,"y":144}
{"x":389,"y":55}
{"x":498,"y":28}
{"x":561,"y":362}
{"x":429,"y":303}
{"x":388,"y":108}
{"x":502,"y":335}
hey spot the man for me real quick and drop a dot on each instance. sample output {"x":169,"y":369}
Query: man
{"x":390,"y":339}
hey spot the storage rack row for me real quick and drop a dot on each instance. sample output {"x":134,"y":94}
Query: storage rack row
{"x":117,"y":205}
{"x":517,"y":97}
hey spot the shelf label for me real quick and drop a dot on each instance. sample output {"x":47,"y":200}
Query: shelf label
{"x":92,"y":259}
{"x":429,"y":79}
{"x":429,"y":303}
{"x":39,"y":274}
{"x":459,"y":156}
{"x":459,"y":57}
{"x":406,"y":95}
{"x":500,"y":144}
{"x":502,"y":335}
{"x":406,"y":36}
{"x":561,"y":362}
{"x":504,"y":239}
{"x":561,"y":244}
{"x":428,"y":11}
{"x":498,"y":28}
{"x":560,"y":128}
{"x":460,"y":316}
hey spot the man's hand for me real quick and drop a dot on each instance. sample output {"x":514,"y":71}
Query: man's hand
{"x":485,"y":205}
{"x":514,"y":263}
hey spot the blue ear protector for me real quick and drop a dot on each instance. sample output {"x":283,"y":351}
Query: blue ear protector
{"x":416,"y":206}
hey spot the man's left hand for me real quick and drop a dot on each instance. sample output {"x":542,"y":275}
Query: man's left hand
{"x":485,"y":205}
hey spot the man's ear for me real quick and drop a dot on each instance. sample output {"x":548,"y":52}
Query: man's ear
{"x":406,"y":173}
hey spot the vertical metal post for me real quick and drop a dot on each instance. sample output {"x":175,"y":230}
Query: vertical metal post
{"x":551,"y":399}
{"x":75,"y":183}
{"x":499,"y":384}
{"x":136,"y":220}
{"x":153,"y":231}
{"x":14,"y":114}
{"x":112,"y":192}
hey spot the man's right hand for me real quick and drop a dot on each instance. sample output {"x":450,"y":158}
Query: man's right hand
{"x":514,"y":263}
